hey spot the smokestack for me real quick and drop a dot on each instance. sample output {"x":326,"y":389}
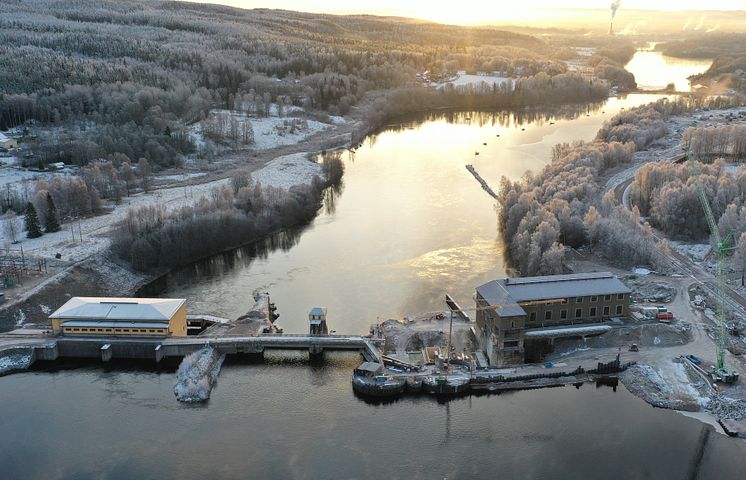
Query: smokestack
{"x":614,"y":7}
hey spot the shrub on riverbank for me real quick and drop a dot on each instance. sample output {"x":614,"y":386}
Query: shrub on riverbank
{"x":151,"y":239}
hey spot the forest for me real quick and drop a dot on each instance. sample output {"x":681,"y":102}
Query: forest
{"x":564,"y":205}
{"x":127,"y":77}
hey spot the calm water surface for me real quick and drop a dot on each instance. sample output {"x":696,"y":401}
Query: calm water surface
{"x":286,"y":419}
{"x":410,"y":224}
{"x":654,"y":71}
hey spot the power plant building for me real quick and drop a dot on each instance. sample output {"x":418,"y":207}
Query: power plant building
{"x":513,"y":313}
{"x":121,"y":316}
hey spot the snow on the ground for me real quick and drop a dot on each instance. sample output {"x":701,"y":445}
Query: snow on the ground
{"x":197,"y":375}
{"x":641,"y":271}
{"x":282,"y":172}
{"x":179,"y":177}
{"x":288,"y":171}
{"x":695,"y":251}
{"x":12,"y":175}
{"x":732,"y":168}
{"x":272,"y":131}
{"x":16,"y":360}
{"x":463,"y":78}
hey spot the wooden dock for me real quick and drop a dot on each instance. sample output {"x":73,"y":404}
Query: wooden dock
{"x":485,"y":186}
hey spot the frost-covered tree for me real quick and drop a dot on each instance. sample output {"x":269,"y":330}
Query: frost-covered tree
{"x":11,"y":226}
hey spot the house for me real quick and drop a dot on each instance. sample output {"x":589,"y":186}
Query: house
{"x":6,"y":142}
{"x":121,"y":316}
{"x":513,"y":312}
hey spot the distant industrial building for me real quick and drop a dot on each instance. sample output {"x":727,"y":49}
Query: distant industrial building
{"x":121,"y":316}
{"x":513,"y":313}
{"x":6,"y":142}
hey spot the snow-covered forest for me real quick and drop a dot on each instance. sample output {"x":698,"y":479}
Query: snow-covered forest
{"x":127,"y":77}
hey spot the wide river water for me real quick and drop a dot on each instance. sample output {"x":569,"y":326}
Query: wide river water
{"x":409,"y":225}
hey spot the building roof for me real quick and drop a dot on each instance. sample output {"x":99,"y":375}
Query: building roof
{"x":372,"y":367}
{"x":3,"y":138}
{"x":515,"y":290}
{"x":318,"y":311}
{"x":113,"y":309}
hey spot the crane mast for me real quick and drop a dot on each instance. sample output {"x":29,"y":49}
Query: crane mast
{"x":722,"y":247}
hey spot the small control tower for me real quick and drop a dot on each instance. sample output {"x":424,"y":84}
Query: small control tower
{"x":317,"y":321}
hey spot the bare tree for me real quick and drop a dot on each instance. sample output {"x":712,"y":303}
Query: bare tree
{"x":11,"y":226}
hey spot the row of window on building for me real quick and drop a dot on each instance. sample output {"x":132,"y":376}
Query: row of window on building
{"x":594,"y":298}
{"x":115,"y":331}
{"x":593,"y":312}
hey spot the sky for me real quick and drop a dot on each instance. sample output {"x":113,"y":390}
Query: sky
{"x":475,"y":11}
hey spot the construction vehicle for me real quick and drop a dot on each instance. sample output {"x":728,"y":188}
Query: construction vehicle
{"x":663,"y":315}
{"x":634,"y":348}
{"x":722,"y":246}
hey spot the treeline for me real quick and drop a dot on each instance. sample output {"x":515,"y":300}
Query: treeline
{"x":127,"y":76}
{"x":644,"y":125}
{"x":667,"y":193}
{"x":711,"y":142}
{"x":540,"y":89}
{"x":152,"y":239}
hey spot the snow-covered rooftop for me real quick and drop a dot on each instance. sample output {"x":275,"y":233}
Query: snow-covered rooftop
{"x":3,"y":138}
{"x":114,"y":309}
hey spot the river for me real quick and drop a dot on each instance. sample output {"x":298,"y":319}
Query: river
{"x":286,"y":419}
{"x":654,"y":71}
{"x":409,"y":225}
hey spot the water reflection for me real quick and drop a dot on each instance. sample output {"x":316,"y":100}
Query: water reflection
{"x":410,"y":225}
{"x":654,"y":71}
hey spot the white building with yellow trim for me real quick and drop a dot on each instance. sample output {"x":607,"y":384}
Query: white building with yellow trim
{"x":121,"y":316}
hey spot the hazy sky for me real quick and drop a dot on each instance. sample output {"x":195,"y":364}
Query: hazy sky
{"x":474,"y":11}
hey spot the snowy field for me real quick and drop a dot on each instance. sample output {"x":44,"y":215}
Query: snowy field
{"x":288,"y":171}
{"x":269,"y":132}
{"x":282,"y":172}
{"x":462,"y":78}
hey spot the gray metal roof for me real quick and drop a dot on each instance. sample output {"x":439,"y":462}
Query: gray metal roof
{"x":114,"y":324}
{"x":115,"y":309}
{"x":514,"y":290}
{"x":495,"y":293}
{"x":369,"y":367}
{"x":318,"y":311}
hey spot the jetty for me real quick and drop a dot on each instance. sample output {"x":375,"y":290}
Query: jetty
{"x":485,"y":186}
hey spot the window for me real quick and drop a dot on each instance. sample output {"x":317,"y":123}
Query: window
{"x":563,"y":314}
{"x":607,"y":297}
{"x":620,"y":296}
{"x":126,"y":330}
{"x":594,"y":298}
{"x":593,"y":312}
{"x":579,"y":300}
{"x":578,"y":312}
{"x":606,"y":311}
{"x":511,"y":344}
{"x":532,"y":317}
{"x":618,"y":309}
{"x":512,"y":324}
{"x":548,"y":315}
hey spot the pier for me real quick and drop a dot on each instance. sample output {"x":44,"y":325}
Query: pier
{"x":485,"y":186}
